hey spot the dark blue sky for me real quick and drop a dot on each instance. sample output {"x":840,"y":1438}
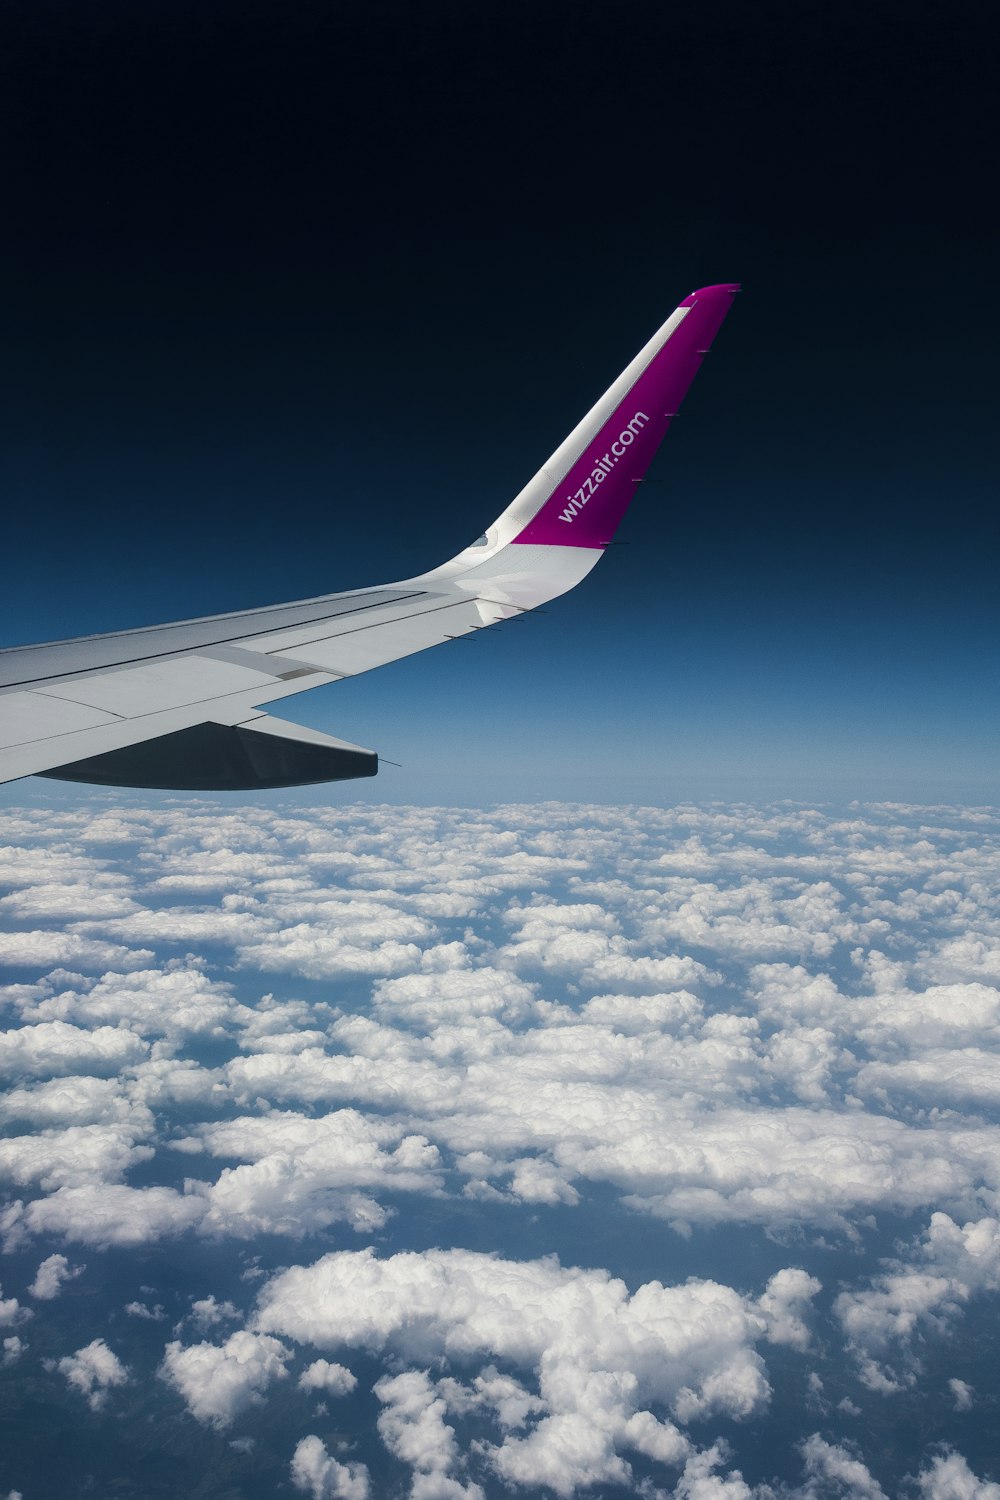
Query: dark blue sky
{"x":297,"y":297}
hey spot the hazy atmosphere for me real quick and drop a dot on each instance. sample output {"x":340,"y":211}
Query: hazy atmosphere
{"x":300,"y":297}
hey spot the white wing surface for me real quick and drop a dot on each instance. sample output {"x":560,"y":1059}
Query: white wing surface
{"x":179,"y":706}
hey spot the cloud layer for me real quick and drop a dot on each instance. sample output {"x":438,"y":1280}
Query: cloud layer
{"x":275,"y":1026}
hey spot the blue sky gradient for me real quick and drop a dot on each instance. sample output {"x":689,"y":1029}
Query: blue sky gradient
{"x":248,"y":363}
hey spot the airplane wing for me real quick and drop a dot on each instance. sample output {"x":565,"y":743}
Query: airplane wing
{"x":178,"y":706}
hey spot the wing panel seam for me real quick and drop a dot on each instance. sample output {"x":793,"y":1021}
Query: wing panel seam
{"x":24,"y":684}
{"x":418,"y":614}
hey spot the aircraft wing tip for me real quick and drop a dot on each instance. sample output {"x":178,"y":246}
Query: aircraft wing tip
{"x":723,"y":287}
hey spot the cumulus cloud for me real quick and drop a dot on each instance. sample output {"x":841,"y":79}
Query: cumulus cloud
{"x":208,"y":1312}
{"x":93,"y":1371}
{"x":832,"y":1469}
{"x":879,"y":1318}
{"x":44,"y":950}
{"x":602,"y":1358}
{"x":412,"y":1425}
{"x":77,"y":1101}
{"x":50,"y":1277}
{"x":948,"y":1477}
{"x":304,"y":1174}
{"x":502,"y":1068}
{"x":701,"y":1481}
{"x":459,"y":995}
{"x":54,"y":1047}
{"x":950,"y":1264}
{"x":106,"y":1214}
{"x":11,"y":1311}
{"x":785,"y":1305}
{"x":321,"y":1375}
{"x":218,"y":1382}
{"x":176,"y":1000}
{"x":145,"y":1312}
{"x":71,"y":1157}
{"x":342,"y":934}
{"x":102,"y":894}
{"x":678,"y":1011}
{"x":777,"y":1018}
{"x":323,"y":1477}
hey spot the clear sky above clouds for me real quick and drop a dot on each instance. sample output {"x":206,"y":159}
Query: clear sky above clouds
{"x":563,"y":1149}
{"x":298,"y":299}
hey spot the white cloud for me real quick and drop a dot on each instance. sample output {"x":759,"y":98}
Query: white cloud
{"x":503,"y":1068}
{"x":430,"y":1000}
{"x":962,"y":1393}
{"x":700,"y":1481}
{"x":892,"y":1017}
{"x":951,"y":1263}
{"x":106,"y":1214}
{"x":972,"y":956}
{"x":537,"y":1181}
{"x":715,"y":1016}
{"x":177,"y":1001}
{"x":759,"y":916}
{"x":325,"y":1478}
{"x":958,"y":1076}
{"x":948,"y":1477}
{"x":163,"y":1082}
{"x":76,"y":1101}
{"x":510,"y":1402}
{"x":600,"y":1104}
{"x":803,"y":1058}
{"x":304,"y":1174}
{"x":100,"y":895}
{"x":185,"y":925}
{"x":634,"y":1014}
{"x":218,"y":1382}
{"x":69,"y":1158}
{"x":143,"y":1311}
{"x":208,"y":1312}
{"x":11,"y":1311}
{"x":50,"y":1277}
{"x":602,"y":1357}
{"x":582,"y":941}
{"x":93,"y":1371}
{"x":412,"y":1426}
{"x":321,"y":1375}
{"x":646,"y":973}
{"x":878,"y":1320}
{"x":339,"y":934}
{"x":43,"y":950}
{"x":54,"y":1048}
{"x":834,"y":1470}
{"x":785,"y":1305}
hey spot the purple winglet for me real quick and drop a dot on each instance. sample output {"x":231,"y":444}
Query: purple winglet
{"x":585,"y":507}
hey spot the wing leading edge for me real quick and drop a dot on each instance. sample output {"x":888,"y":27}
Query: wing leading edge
{"x":178,"y":705}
